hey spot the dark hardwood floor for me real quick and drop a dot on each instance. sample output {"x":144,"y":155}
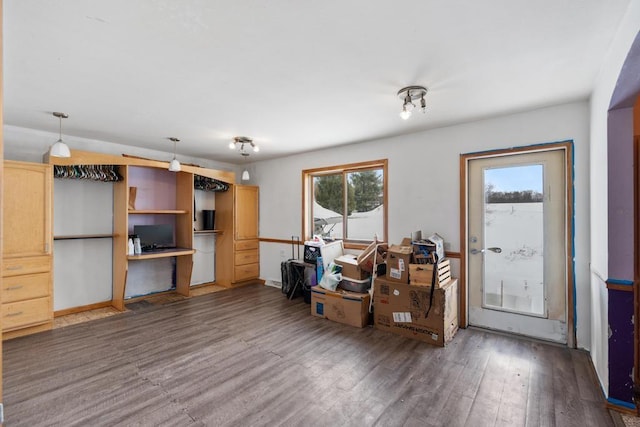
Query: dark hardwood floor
{"x":250,"y":357}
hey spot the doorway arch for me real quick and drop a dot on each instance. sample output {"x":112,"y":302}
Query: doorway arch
{"x":623,"y":233}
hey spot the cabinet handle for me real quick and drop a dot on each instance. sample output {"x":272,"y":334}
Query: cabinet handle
{"x":14,"y":288}
{"x":15,"y":267}
{"x":17,"y":313}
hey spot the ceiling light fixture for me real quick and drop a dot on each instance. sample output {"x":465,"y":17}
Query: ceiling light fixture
{"x":242,"y":141}
{"x":59,"y":148}
{"x":408,"y":95}
{"x":174,"y":166}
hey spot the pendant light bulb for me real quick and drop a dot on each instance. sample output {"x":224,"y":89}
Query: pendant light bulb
{"x":256,"y":148}
{"x":232,"y":145}
{"x":174,"y":166}
{"x":59,"y":148}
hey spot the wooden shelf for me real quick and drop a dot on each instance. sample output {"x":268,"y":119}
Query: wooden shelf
{"x":207,"y":232}
{"x":162,"y":253}
{"x":84,"y":236}
{"x":158,"y":211}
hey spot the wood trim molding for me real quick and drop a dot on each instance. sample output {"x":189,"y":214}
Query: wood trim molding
{"x":448,"y":254}
{"x":616,"y":287}
{"x":82,"y":308}
{"x":348,"y":167}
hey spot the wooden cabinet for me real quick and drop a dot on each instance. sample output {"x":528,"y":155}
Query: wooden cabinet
{"x":246,"y":255}
{"x":239,"y":254}
{"x":246,"y":212}
{"x":26,"y":249}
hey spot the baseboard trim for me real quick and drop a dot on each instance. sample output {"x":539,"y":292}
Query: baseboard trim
{"x":80,"y":309}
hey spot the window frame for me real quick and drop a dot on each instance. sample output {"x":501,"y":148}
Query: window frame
{"x":307,"y":196}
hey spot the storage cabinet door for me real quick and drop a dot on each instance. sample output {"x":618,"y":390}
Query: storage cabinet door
{"x":26,"y":209}
{"x":246,"y":212}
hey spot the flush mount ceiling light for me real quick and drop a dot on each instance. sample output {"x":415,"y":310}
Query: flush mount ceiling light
{"x":174,"y":166}
{"x":410,"y":94}
{"x":242,"y":141}
{"x":59,"y":148}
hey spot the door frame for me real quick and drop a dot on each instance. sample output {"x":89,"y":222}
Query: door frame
{"x":567,"y":147}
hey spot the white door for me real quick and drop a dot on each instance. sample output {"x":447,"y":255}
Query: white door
{"x":517,"y":244}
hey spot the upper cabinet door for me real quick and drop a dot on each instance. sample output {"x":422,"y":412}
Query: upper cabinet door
{"x":246,"y":212}
{"x":26,"y":208}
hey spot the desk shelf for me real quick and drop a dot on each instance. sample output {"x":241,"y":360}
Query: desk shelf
{"x":163,"y":253}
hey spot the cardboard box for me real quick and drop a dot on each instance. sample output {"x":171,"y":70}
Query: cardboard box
{"x":350,"y":267}
{"x":398,"y":260}
{"x":340,"y":306}
{"x":367,"y":257}
{"x":402,"y":309}
{"x":422,"y":274}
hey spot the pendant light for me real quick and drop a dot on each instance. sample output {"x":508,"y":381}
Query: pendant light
{"x":174,"y":166}
{"x":245,"y":175}
{"x":59,"y":148}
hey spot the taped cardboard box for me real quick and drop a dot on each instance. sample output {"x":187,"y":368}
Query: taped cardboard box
{"x":402,"y":309}
{"x":340,"y":306}
{"x":398,"y":260}
{"x":422,"y":274}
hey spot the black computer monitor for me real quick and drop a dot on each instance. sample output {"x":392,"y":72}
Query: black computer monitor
{"x":155,"y":236}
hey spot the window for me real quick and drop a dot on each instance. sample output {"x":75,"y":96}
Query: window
{"x":346,"y":202}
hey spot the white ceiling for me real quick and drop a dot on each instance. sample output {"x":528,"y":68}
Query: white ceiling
{"x":293,"y":75}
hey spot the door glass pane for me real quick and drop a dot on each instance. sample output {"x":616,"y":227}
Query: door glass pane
{"x":328,"y":205}
{"x":365,"y":196}
{"x":513,"y":279}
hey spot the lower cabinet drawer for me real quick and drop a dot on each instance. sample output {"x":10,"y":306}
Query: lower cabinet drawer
{"x":246,"y":257}
{"x":25,"y":313}
{"x":26,"y":265}
{"x":27,"y":286}
{"x":246,"y":272}
{"x":243,"y":245}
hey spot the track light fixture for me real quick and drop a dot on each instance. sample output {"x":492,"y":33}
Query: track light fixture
{"x":408,"y":95}
{"x":174,"y":166}
{"x":59,"y":148}
{"x":242,"y":141}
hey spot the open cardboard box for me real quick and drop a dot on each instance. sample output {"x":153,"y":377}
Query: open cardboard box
{"x":361,"y":266}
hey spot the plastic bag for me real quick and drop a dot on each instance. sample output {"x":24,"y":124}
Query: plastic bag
{"x":331,"y":277}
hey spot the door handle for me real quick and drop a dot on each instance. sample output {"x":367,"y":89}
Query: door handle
{"x":479,"y":251}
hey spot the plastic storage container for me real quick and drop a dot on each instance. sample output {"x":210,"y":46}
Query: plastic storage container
{"x":355,"y":285}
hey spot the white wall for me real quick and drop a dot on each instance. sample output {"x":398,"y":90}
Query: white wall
{"x":424,"y":183}
{"x":599,"y":106}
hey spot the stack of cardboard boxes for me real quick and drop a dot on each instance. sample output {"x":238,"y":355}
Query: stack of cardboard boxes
{"x":350,"y":303}
{"x":409,"y":300}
